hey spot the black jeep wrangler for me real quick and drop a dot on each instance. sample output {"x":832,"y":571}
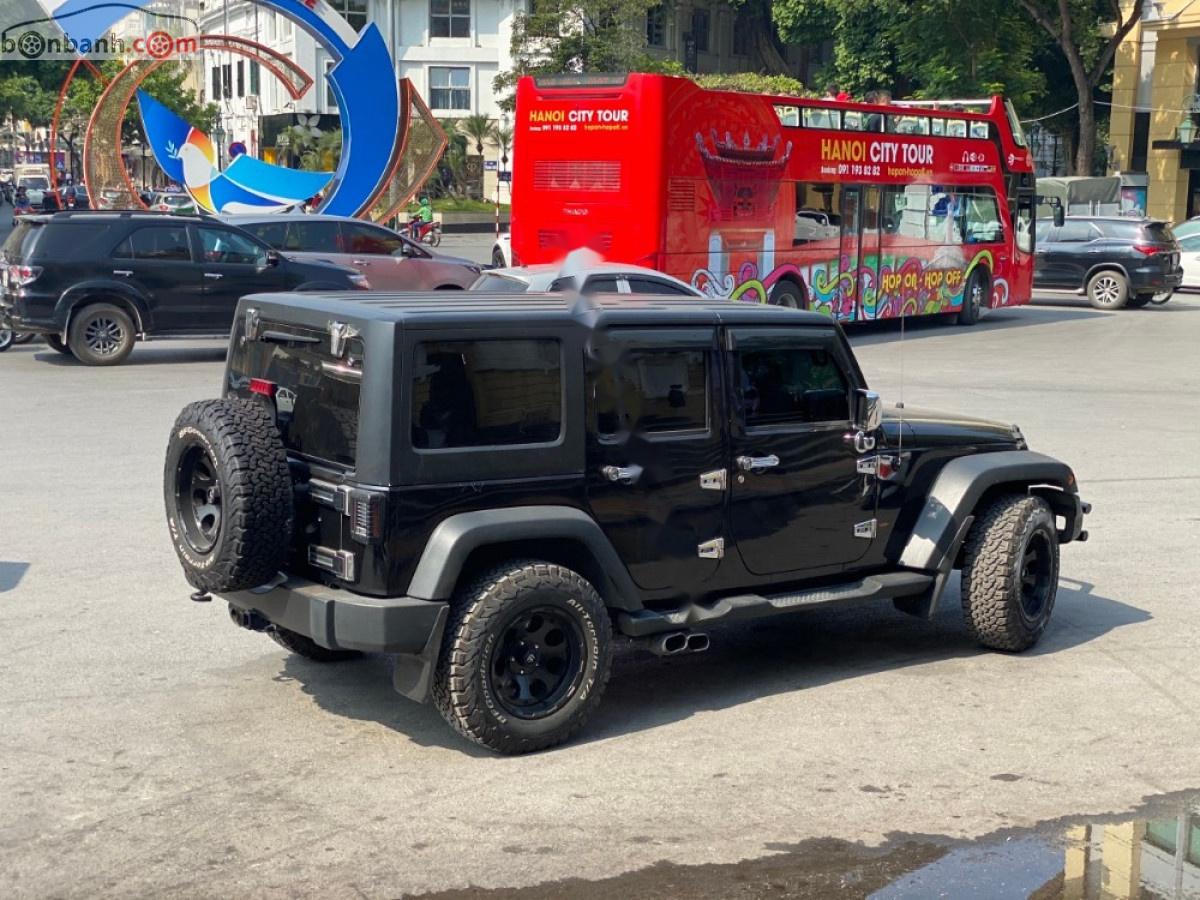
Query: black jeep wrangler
{"x":491,"y":488}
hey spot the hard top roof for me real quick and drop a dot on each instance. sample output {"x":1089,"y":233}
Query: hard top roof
{"x":445,"y":307}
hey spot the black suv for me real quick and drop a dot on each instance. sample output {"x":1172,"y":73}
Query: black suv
{"x":94,"y":282}
{"x":491,"y":487}
{"x":1115,"y":261}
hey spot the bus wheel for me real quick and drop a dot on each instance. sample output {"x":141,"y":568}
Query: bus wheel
{"x":789,"y":294}
{"x":974,"y":298}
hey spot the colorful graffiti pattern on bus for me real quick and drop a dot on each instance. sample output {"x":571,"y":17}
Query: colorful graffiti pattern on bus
{"x":897,"y":286}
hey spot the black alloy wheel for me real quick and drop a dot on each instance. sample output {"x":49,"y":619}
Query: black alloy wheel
{"x":537,"y":663}
{"x":198,"y":499}
{"x":1037,"y":569}
{"x":103,"y":335}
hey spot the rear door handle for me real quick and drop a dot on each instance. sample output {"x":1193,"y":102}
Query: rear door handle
{"x":213,"y":275}
{"x":358,"y":262}
{"x":622,"y":474}
{"x":124,"y":272}
{"x":757,"y":463}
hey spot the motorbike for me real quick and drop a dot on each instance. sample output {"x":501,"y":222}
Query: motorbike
{"x":428,"y":232}
{"x":8,"y":337}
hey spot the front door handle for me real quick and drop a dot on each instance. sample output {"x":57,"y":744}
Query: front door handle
{"x":213,"y":275}
{"x":622,"y":474}
{"x":757,"y":463}
{"x":358,"y":262}
{"x":124,"y":272}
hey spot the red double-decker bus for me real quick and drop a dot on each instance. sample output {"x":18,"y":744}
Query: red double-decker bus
{"x":860,"y":211}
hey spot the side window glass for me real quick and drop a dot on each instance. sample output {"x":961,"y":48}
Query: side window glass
{"x":160,"y":244}
{"x":654,"y":392}
{"x":821,"y":118}
{"x":1076,"y":232}
{"x":272,"y":233}
{"x":231,"y":248}
{"x":816,"y":218}
{"x":124,"y":250}
{"x":314,"y":237}
{"x":487,"y":393}
{"x":1190,"y":244}
{"x":370,"y":241}
{"x":791,"y":385}
{"x":979,"y":130}
{"x":980,"y":216}
{"x":602,"y":284}
{"x":654,"y":286}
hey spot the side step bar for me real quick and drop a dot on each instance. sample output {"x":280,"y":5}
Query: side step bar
{"x":886,"y":586}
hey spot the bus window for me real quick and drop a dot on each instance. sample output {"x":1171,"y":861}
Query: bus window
{"x":788,"y":115}
{"x":938,"y":128}
{"x":854,"y":121}
{"x":891,"y":208}
{"x":907,"y":125}
{"x":815,"y":219}
{"x":821,"y":118}
{"x":979,"y":130}
{"x":956,"y":128}
{"x":979,"y":216}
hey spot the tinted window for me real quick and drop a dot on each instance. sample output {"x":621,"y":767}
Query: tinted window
{"x":320,"y":237}
{"x":1125,"y":231}
{"x":656,"y":286}
{"x":1074,"y":232}
{"x":654,"y":392}
{"x":271,"y":233}
{"x":1024,"y":223}
{"x":821,"y":118}
{"x":785,"y":385}
{"x":501,"y":283}
{"x":603,"y":284}
{"x":229,"y":247}
{"x":1191,"y":244}
{"x":1046,"y":232}
{"x":486,"y":393}
{"x":371,"y":241}
{"x":162,"y":243}
{"x":18,"y":247}
{"x":1159,"y":233}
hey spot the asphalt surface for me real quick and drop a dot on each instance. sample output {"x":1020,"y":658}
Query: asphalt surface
{"x":149,"y":748}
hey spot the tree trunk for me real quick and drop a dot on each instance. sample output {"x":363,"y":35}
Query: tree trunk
{"x":1085,"y":152}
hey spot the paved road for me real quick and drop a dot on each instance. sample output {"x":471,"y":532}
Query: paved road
{"x":148,"y":748}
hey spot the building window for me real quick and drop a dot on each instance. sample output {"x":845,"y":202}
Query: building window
{"x":353,"y":11}
{"x":450,"y":18}
{"x":255,"y":84}
{"x":330,"y":97}
{"x":227,"y":81}
{"x":700,"y":29}
{"x":449,"y":87}
{"x":656,"y":26}
{"x":743,"y":33}
{"x":241,"y":78}
{"x":216,"y":83}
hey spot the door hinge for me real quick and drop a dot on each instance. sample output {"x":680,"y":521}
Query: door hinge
{"x":714,"y":549}
{"x":253,"y":320}
{"x":865,"y":529}
{"x":716,"y":480}
{"x":339,"y":334}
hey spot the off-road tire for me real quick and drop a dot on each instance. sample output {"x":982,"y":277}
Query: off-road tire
{"x":308,"y":648}
{"x":57,"y":343}
{"x":975,"y":298}
{"x":251,"y":539}
{"x":787,"y":294}
{"x":480,"y":616}
{"x":1137,"y":301}
{"x":1108,"y":289}
{"x":993,"y":565}
{"x":82,"y":342}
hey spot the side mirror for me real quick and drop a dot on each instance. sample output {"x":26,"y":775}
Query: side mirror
{"x":868,"y":410}
{"x":272,"y":257}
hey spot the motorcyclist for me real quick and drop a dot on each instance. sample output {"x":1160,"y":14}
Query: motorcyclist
{"x":22,"y":200}
{"x":422,"y":218}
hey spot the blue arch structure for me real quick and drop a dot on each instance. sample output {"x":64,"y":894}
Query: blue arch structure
{"x":363,"y":81}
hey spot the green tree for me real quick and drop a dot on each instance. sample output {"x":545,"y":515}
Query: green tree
{"x":864,"y":50}
{"x":1087,"y":33}
{"x":753,"y":83}
{"x":556,"y":36}
{"x":478,"y":128}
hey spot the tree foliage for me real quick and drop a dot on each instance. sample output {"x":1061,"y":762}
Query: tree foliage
{"x":754,"y":83}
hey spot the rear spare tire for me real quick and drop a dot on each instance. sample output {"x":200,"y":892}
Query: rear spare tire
{"x":228,"y":494}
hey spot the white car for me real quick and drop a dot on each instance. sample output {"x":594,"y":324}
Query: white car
{"x":591,"y":275}
{"x":502,"y":251}
{"x":1189,"y":259}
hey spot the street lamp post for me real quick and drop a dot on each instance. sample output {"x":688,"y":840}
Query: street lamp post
{"x":283,"y":143}
{"x":145,"y":186}
{"x":219,"y":136}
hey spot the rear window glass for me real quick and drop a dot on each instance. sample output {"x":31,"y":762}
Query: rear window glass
{"x":1159,"y":233}
{"x":270,"y":233}
{"x":21,"y":240}
{"x":486,"y":393}
{"x":316,"y":394}
{"x":501,"y":283}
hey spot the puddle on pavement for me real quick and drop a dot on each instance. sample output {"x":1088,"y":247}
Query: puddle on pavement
{"x":1154,"y":856}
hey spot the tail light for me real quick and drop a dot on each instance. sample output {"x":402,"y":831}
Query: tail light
{"x":1147,"y":249}
{"x":262,"y":386}
{"x":366,"y":515}
{"x":19,"y":276}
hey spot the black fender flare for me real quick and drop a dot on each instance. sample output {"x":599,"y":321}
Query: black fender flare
{"x":456,"y":537}
{"x":101,"y":291}
{"x":942,"y":525}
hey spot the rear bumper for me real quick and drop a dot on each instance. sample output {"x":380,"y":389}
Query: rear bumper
{"x":1154,"y":279}
{"x":340,"y":620}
